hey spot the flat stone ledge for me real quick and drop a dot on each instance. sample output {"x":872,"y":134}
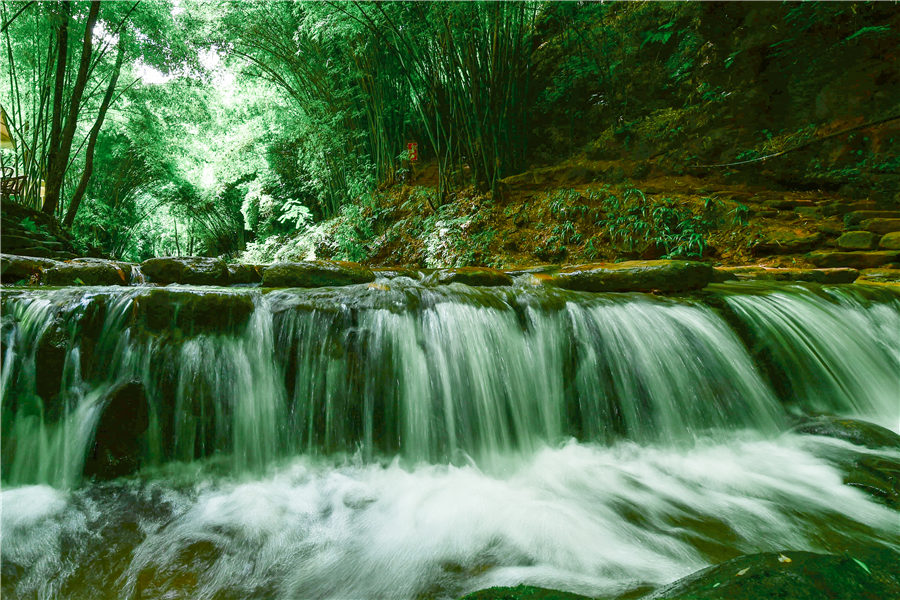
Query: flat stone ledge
{"x":191,"y":270}
{"x":311,"y":274}
{"x":474,"y":276}
{"x":635,"y":276}
{"x":754,"y":273}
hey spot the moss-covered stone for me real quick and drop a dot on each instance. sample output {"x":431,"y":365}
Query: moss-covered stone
{"x":242,"y":273}
{"x":316,"y":274}
{"x":854,"y":260}
{"x":191,"y":270}
{"x":787,"y":242}
{"x":857,"y":240}
{"x":522,"y":592}
{"x":86,"y":273}
{"x":636,"y":276}
{"x":855,"y":431}
{"x":870,"y":575}
{"x":27,"y":269}
{"x":475,"y":276}
{"x":881,"y":226}
{"x":752,"y":273}
{"x":116,"y":448}
{"x":192,"y":312}
{"x":890,"y":241}
{"x":879,"y":276}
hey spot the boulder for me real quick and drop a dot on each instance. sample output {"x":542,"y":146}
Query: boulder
{"x":858,"y":216}
{"x":193,"y":312}
{"x":241,"y":273}
{"x":522,"y":592}
{"x":855,"y":260}
{"x":809,"y":212}
{"x":117,"y":447}
{"x":98,"y":272}
{"x":861,"y":433}
{"x":191,"y":270}
{"x":879,"y":276}
{"x":315,"y":274}
{"x":476,"y":276}
{"x":857,"y":240}
{"x":867,"y":575}
{"x":875,"y":474}
{"x":394,"y":272}
{"x":636,"y":276}
{"x":787,"y":204}
{"x":881,"y":226}
{"x":890,"y":241}
{"x":15,"y":268}
{"x":787,"y":242}
{"x":753,"y":273}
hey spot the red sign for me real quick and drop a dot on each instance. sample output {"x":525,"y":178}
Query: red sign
{"x":412,"y":149}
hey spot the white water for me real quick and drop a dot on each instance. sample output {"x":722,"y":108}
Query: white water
{"x":583,"y":518}
{"x":419,"y":442}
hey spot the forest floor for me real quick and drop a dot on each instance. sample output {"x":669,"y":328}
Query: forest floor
{"x":583,"y":211}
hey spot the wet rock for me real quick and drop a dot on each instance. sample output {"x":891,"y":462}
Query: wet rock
{"x":890,"y":241}
{"x":316,"y":274}
{"x":50,"y":360}
{"x":15,"y":268}
{"x":394,"y":272}
{"x":117,"y":446}
{"x":636,"y":276}
{"x":193,"y":312}
{"x":522,"y":592}
{"x":866,"y":575}
{"x":809,"y":212}
{"x":532,"y":270}
{"x":753,"y":273}
{"x":854,"y":431}
{"x":858,"y":216}
{"x":476,"y":276}
{"x":190,"y":270}
{"x":878,"y":476}
{"x":241,"y":273}
{"x":879,"y":276}
{"x":86,"y":273}
{"x":857,"y":240}
{"x":881,"y":226}
{"x":855,"y":260}
{"x":787,"y":242}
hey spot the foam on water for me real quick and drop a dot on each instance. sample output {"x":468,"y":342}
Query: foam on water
{"x":589,"y":519}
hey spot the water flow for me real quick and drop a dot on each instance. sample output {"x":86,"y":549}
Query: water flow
{"x":834,"y":350}
{"x":589,"y":519}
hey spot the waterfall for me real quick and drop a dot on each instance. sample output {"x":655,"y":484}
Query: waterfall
{"x":412,"y":440}
{"x":433,"y":374}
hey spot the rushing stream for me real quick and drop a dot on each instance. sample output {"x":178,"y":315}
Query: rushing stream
{"x":403,"y":440}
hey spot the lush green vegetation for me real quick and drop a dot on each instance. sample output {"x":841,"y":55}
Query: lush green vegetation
{"x":279,"y":130}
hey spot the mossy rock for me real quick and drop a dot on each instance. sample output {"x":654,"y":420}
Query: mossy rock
{"x":15,"y":268}
{"x":86,"y":273}
{"x":857,"y":240}
{"x":881,"y":226}
{"x":636,"y":276}
{"x":313,"y":274}
{"x":880,"y":276}
{"x":474,"y":276}
{"x":854,"y":431}
{"x":193,"y":312}
{"x":522,"y":592}
{"x":241,"y":273}
{"x":854,"y":260}
{"x":788,"y":242}
{"x":191,"y":270}
{"x":870,"y":575}
{"x":890,"y":241}
{"x":877,"y":476}
{"x":753,"y":273}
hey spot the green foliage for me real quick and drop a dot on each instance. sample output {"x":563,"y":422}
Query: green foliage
{"x":637,"y":225}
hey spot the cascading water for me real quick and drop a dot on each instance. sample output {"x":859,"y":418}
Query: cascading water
{"x":407,"y":440}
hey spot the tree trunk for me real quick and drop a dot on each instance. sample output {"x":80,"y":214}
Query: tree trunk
{"x":59,"y":159}
{"x":92,"y":140}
